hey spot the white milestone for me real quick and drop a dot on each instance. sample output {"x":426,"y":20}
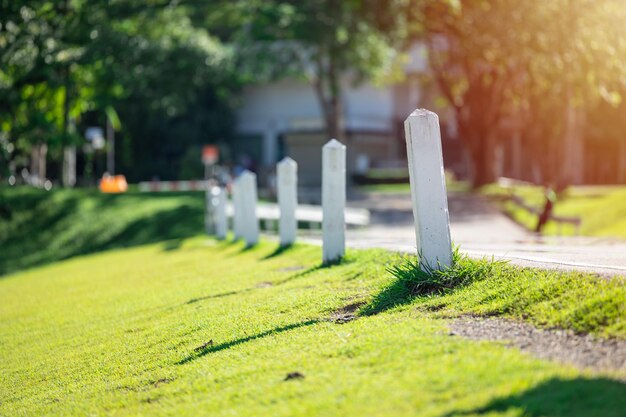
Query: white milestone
{"x":250,"y":222}
{"x":287,"y":179}
{"x":428,"y":189}
{"x":221,"y":221}
{"x":333,"y":200}
{"x":237,"y":210}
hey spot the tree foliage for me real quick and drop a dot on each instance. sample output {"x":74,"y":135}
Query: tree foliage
{"x":529,"y":63}
{"x":329,"y":43}
{"x":63,"y":63}
{"x":171,"y":70}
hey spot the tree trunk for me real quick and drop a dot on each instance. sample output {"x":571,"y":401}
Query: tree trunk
{"x":38,"y":155}
{"x":481,"y":147}
{"x":327,"y":87}
{"x":335,"y":125}
{"x":484,"y":166}
{"x":69,"y":166}
{"x":573,"y":148}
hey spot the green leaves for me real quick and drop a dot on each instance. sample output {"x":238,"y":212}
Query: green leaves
{"x":70,"y":63}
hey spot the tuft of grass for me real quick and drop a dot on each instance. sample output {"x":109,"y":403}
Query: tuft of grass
{"x":414,"y":278}
{"x":423,"y":279}
{"x":584,"y":303}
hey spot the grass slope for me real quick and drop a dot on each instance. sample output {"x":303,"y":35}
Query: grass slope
{"x":197,"y":327}
{"x":38,"y":227}
{"x":601,"y":208}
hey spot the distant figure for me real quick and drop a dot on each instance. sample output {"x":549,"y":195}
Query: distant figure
{"x":545,"y":215}
{"x":245,"y":162}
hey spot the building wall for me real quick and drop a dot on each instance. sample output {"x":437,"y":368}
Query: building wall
{"x":286,"y":114}
{"x":286,"y":106}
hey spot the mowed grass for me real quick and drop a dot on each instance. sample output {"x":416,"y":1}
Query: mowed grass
{"x":38,"y":227}
{"x":200,"y":327}
{"x":576,"y":301}
{"x":602,"y":209}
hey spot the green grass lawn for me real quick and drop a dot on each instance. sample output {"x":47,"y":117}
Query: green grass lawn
{"x":602,"y":209}
{"x":185,"y":325}
{"x":199,"y":327}
{"x":38,"y":227}
{"x":452,"y":185}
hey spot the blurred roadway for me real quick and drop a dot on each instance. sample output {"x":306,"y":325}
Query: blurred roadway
{"x":483,"y":231}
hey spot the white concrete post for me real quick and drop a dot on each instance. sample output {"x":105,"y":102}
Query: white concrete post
{"x":333,"y":200}
{"x":209,"y":219}
{"x":287,"y":179}
{"x":237,"y":210}
{"x":250,"y":222}
{"x":428,"y":189}
{"x":221,"y":221}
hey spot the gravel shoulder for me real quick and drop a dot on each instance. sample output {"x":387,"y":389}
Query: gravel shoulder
{"x":581,"y":351}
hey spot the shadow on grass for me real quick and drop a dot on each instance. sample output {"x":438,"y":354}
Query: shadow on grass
{"x":308,"y":271}
{"x":580,"y":397}
{"x":172,"y":245}
{"x":248,"y":248}
{"x":227,"y":345}
{"x":275,"y":283}
{"x":220,"y":295}
{"x":279,"y":251}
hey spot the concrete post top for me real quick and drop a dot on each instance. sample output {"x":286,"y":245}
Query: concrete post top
{"x":247,"y":174}
{"x":422,"y":113}
{"x":287,"y":161}
{"x":334,"y":143}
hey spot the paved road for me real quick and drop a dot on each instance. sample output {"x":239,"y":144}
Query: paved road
{"x":482,"y":231}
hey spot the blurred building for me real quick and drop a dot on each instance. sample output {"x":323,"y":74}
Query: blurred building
{"x":284,"y":118}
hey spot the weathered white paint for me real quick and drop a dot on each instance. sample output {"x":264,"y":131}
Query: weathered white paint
{"x":248,"y":195}
{"x":428,"y":189}
{"x":221,"y":221}
{"x":209,"y":211}
{"x":238,"y":209}
{"x":333,"y":200}
{"x":287,"y":178}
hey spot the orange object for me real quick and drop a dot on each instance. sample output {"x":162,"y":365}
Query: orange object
{"x":210,"y":154}
{"x":113,"y":184}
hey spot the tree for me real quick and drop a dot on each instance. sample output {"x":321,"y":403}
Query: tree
{"x":531,"y":63}
{"x":36,"y":60}
{"x":67,"y":62}
{"x":327,"y":42}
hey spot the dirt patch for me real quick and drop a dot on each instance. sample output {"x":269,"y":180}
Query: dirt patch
{"x":294,"y":375}
{"x":264,"y":284}
{"x":435,"y":307}
{"x":204,"y":346}
{"x":161,"y":382}
{"x":151,"y":400}
{"x":582,"y":351}
{"x":291,"y":268}
{"x":347,"y":313}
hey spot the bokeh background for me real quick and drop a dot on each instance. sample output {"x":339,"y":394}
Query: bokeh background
{"x":531,"y":90}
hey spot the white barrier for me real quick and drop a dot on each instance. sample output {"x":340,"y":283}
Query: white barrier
{"x":221,"y":221}
{"x":333,"y":200}
{"x":428,"y":189}
{"x":248,"y":200}
{"x":238,"y":209}
{"x":287,"y":181}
